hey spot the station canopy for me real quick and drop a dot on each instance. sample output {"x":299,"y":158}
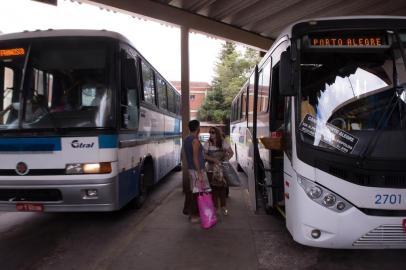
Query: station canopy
{"x":255,"y":23}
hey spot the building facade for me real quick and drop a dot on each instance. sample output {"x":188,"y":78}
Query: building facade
{"x":197,"y":93}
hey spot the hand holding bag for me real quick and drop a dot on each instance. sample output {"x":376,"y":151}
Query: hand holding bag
{"x":207,"y":212}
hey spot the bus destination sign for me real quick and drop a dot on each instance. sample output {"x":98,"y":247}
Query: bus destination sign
{"x":353,"y":41}
{"x":12,"y":52}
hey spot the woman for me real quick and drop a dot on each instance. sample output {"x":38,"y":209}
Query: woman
{"x":217,"y":150}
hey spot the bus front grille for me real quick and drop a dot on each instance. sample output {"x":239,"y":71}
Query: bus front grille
{"x":388,"y":180}
{"x":392,"y":236}
{"x":32,"y":195}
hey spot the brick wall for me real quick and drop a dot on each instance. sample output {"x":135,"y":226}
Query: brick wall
{"x":197,"y":94}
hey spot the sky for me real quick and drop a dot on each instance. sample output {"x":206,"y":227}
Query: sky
{"x":158,"y":42}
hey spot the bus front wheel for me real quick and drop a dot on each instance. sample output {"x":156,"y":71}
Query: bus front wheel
{"x":143,"y":189}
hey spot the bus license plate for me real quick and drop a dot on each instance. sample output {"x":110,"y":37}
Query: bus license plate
{"x":29,"y":207}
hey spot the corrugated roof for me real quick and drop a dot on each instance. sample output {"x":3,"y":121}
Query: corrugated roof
{"x":268,"y":17}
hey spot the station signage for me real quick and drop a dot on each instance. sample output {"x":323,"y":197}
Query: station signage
{"x":347,"y":40}
{"x":328,"y":134}
{"x":12,"y":52}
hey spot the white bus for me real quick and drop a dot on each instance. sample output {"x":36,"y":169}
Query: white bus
{"x":320,"y":128}
{"x":86,"y":123}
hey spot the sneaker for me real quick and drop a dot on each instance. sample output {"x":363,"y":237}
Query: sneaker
{"x":194,"y":220}
{"x":225,"y":211}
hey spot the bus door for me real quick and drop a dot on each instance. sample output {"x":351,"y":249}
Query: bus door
{"x":276,"y":126}
{"x":251,"y":141}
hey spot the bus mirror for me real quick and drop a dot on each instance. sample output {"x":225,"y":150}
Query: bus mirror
{"x":286,"y":78}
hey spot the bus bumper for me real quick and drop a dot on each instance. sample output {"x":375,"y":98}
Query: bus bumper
{"x":74,"y":197}
{"x":351,"y":229}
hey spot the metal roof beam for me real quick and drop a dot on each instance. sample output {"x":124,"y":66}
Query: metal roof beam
{"x":162,"y":12}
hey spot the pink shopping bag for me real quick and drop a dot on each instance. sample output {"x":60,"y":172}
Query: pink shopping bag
{"x":206,"y":209}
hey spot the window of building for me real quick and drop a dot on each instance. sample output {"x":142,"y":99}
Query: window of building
{"x":192,"y":97}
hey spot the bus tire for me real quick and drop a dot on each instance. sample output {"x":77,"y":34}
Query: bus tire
{"x":178,"y":167}
{"x":143,"y":190}
{"x":143,"y":185}
{"x":272,"y":211}
{"x":239,"y":168}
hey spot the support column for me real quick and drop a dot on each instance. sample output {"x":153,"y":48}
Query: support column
{"x":184,"y":55}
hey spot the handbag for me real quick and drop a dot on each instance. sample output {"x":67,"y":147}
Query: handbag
{"x":206,"y":210}
{"x":230,"y":175}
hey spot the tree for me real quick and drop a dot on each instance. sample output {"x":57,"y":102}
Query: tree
{"x":231,"y":71}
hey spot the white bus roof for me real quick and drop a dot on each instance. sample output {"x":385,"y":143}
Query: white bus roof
{"x":63,"y":33}
{"x":286,"y":33}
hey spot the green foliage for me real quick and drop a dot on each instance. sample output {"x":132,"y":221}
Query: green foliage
{"x":231,"y":71}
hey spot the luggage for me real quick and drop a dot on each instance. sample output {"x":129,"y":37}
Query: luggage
{"x":230,"y":175}
{"x":206,"y":210}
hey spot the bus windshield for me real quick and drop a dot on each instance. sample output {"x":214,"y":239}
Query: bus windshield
{"x":354,"y":101}
{"x":55,"y":84}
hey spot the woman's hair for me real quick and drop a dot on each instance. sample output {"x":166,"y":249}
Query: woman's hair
{"x":219,"y":137}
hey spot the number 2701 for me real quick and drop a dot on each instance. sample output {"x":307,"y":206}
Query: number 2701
{"x":388,"y":199}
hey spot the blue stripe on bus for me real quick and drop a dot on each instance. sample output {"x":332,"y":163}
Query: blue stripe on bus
{"x":149,"y":135}
{"x":30,"y":144}
{"x":128,"y":186}
{"x":177,"y":126}
{"x":108,"y":141}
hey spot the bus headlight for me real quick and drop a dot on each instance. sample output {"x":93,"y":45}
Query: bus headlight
{"x":88,"y":168}
{"x":323,"y":196}
{"x":314,"y":192}
{"x":329,"y":200}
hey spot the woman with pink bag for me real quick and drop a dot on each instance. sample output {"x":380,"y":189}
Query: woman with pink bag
{"x":202,"y":203}
{"x":216,"y":151}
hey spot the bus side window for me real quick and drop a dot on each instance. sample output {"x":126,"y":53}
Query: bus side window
{"x":244,"y":104}
{"x":277,"y":102}
{"x":130,"y":95}
{"x":162,"y":96}
{"x":148,"y":83}
{"x":263,"y":88}
{"x":171,"y":100}
{"x":9,"y":94}
{"x":178,"y":104}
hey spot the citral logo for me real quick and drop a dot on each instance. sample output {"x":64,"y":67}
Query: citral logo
{"x":77,"y":144}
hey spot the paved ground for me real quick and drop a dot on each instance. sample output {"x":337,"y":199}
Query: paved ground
{"x":159,"y":237}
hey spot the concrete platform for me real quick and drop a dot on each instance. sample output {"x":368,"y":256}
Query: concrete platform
{"x":159,"y":237}
{"x":167,"y":240}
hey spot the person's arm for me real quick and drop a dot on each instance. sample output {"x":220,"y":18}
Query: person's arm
{"x":229,"y":153}
{"x":227,"y":150}
{"x":195,"y":148}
